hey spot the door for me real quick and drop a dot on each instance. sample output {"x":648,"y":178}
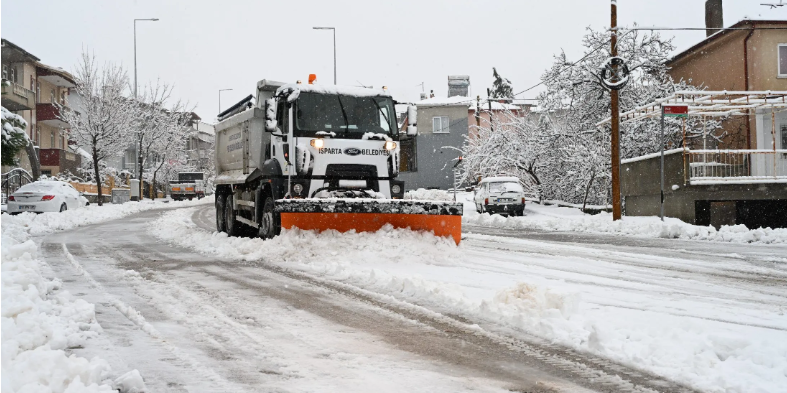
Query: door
{"x":70,"y":195}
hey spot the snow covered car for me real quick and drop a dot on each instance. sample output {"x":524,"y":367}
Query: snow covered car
{"x":502,"y":195}
{"x":45,"y":196}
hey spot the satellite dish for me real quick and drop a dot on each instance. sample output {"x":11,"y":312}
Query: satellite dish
{"x":614,"y":73}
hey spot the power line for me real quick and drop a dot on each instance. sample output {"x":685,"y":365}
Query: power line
{"x":653,"y":28}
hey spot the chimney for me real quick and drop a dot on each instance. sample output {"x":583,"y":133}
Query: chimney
{"x":714,"y":17}
{"x":458,"y":85}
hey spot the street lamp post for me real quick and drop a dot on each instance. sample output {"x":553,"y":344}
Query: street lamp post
{"x":137,"y":163}
{"x":334,"y":48}
{"x":220,"y":90}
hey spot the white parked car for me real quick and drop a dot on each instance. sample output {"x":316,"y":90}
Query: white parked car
{"x":502,"y":195}
{"x":45,"y":196}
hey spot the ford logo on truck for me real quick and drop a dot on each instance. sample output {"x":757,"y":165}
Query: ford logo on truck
{"x":352,"y":151}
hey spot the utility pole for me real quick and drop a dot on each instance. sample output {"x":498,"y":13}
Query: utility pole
{"x":138,"y":144}
{"x":489,"y":101}
{"x":616,"y":210}
{"x":477,"y":111}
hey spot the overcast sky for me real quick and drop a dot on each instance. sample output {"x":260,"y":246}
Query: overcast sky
{"x":202,"y":46}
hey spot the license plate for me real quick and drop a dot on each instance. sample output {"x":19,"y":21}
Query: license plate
{"x":27,"y":207}
{"x":505,"y":200}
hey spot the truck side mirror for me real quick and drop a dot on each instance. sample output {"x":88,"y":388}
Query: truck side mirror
{"x":270,"y":115}
{"x":412,"y":120}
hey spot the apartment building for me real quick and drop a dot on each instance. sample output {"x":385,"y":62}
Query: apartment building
{"x":33,"y":91}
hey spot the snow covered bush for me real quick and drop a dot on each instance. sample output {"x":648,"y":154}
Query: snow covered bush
{"x":14,"y":137}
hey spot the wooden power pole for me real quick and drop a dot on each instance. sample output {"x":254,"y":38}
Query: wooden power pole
{"x":616,"y":211}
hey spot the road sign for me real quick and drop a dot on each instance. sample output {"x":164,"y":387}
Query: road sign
{"x":675,"y":110}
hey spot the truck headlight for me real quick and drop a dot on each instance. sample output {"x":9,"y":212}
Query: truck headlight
{"x":297,"y":188}
{"x":317,"y":143}
{"x":390,"y":145}
{"x":395,"y":189}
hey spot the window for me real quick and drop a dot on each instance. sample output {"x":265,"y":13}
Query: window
{"x":52,"y":96}
{"x":783,"y":60}
{"x":13,"y":74}
{"x":5,"y":71}
{"x":38,"y":92}
{"x":784,"y":140}
{"x":51,"y":139}
{"x":440,"y":124}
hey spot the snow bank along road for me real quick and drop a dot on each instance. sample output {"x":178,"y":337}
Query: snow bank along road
{"x":499,"y":313}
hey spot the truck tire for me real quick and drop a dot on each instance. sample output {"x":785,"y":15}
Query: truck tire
{"x":221,"y":225}
{"x":270,"y":225}
{"x":231,"y":225}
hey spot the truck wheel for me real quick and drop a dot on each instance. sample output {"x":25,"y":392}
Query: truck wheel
{"x":231,"y":224}
{"x":270,"y":225}
{"x":221,"y":225}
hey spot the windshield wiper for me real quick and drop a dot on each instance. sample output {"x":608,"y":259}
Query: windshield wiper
{"x":344,"y":114}
{"x":383,"y":113}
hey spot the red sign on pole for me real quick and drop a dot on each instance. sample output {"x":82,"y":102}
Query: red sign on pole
{"x":676,"y":110}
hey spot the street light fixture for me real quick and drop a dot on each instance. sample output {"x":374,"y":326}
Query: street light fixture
{"x":220,"y":90}
{"x":136,"y":147}
{"x":334,"y":48}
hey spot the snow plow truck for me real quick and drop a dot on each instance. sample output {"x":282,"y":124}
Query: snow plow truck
{"x":317,"y":158}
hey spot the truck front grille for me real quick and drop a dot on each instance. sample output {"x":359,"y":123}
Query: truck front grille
{"x":336,"y":172}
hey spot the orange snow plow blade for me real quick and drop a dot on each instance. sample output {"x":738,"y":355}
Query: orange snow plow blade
{"x":368,"y":215}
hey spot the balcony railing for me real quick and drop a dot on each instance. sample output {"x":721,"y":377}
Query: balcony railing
{"x":17,"y":98}
{"x":737,"y":166}
{"x":49,"y":114}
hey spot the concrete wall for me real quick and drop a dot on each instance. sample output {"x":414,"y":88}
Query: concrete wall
{"x":435,"y":161}
{"x":640,"y":187}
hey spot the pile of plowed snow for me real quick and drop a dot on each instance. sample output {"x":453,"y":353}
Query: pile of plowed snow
{"x":41,"y":321}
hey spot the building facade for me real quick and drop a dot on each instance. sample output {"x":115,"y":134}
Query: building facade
{"x":37,"y":92}
{"x":751,"y":58}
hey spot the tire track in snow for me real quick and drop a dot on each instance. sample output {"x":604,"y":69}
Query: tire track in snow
{"x":139,"y":320}
{"x":594,"y":372}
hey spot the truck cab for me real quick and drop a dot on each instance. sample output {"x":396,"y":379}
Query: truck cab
{"x":304,"y":141}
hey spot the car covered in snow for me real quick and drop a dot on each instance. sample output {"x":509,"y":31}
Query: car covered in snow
{"x":501,"y":195}
{"x":45,"y":196}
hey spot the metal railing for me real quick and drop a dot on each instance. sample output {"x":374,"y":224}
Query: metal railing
{"x":13,"y":180}
{"x":737,"y":165}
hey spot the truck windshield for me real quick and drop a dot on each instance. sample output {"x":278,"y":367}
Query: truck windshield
{"x":348,"y":116}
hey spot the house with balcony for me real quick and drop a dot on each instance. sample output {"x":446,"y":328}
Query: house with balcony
{"x":427,"y":161}
{"x":37,"y":92}
{"x":740,"y":177}
{"x":199,"y":143}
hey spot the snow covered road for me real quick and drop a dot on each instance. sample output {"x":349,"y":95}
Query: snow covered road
{"x":190,"y":322}
{"x":520,"y":310}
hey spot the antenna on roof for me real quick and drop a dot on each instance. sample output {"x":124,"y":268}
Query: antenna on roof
{"x":774,"y":5}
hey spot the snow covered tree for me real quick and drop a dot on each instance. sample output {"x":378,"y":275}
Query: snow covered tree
{"x":501,"y":87}
{"x":14,"y":136}
{"x":104,"y":124}
{"x":509,"y":148}
{"x":575,"y":93}
{"x":159,"y":129}
{"x":559,"y":149}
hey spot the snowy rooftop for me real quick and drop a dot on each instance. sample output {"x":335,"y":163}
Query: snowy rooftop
{"x":333,"y":89}
{"x":466,"y":101}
